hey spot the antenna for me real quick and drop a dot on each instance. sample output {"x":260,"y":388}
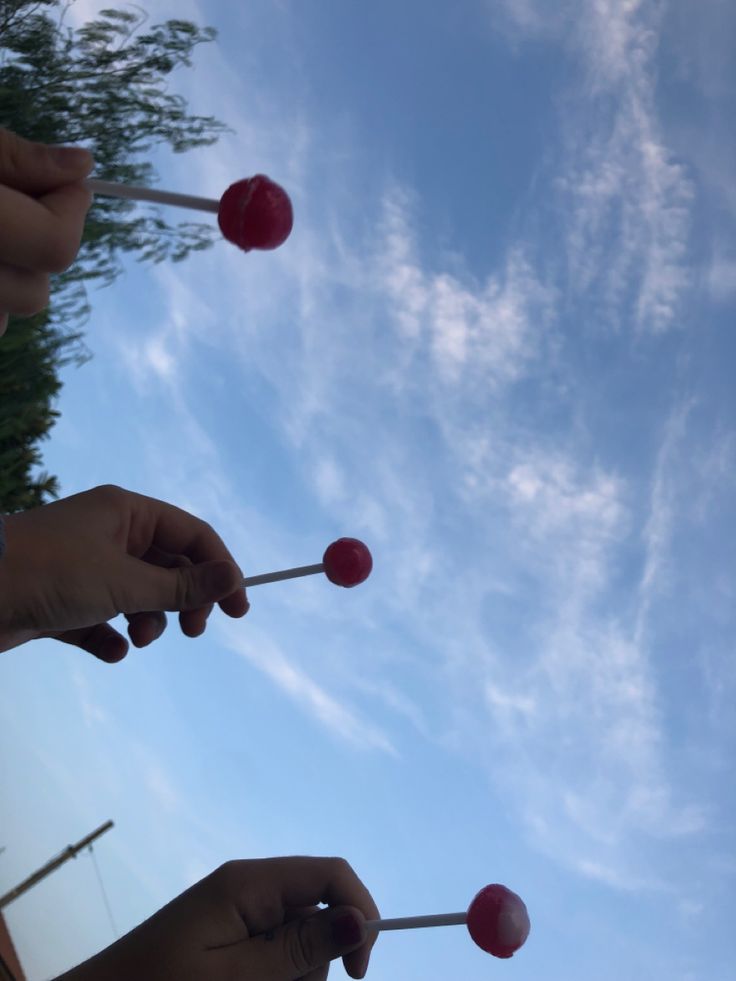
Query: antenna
{"x":71,"y":851}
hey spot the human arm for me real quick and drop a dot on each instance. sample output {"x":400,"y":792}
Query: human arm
{"x":251,"y":920}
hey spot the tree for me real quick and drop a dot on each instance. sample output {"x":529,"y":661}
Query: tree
{"x":28,"y":386}
{"x":104,"y":85}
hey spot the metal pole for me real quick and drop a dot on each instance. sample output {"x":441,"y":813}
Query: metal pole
{"x":71,"y":851}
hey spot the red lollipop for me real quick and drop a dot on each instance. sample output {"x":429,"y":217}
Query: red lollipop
{"x":346,"y":562}
{"x":255,"y":213}
{"x":497,"y":920}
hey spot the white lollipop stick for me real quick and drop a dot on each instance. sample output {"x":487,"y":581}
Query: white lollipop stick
{"x":414,"y":922}
{"x":133,"y":193}
{"x":302,"y":570}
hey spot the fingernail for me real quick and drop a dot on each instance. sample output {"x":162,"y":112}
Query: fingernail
{"x":347,"y":931}
{"x":70,"y":157}
{"x":362,"y":969}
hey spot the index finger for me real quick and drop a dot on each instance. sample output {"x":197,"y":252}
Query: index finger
{"x":262,"y":891}
{"x":172,"y":530}
{"x":305,"y":881}
{"x":157,"y":525}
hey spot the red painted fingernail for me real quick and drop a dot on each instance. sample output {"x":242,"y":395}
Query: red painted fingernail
{"x":347,"y":931}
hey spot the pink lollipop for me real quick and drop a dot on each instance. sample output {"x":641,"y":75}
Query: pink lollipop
{"x":254,"y":213}
{"x":497,"y":920}
{"x":346,"y":562}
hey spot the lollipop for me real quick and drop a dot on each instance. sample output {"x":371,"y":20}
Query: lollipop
{"x":254,"y":213}
{"x":497,"y":920}
{"x":346,"y":562}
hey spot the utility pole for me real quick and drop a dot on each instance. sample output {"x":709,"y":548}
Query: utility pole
{"x":71,"y":851}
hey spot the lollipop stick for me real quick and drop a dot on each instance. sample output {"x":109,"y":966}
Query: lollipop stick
{"x":152,"y":194}
{"x":303,"y":570}
{"x":413,"y":922}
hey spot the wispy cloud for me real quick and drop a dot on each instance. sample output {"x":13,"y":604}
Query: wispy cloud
{"x":624,"y":200}
{"x":721,"y":276}
{"x":93,"y":712}
{"x":579,"y":728}
{"x":392,"y":380}
{"x":657,"y":532}
{"x":575,"y":717}
{"x":161,"y":787}
{"x":311,"y":697}
{"x":490,"y":331}
{"x":629,"y":205}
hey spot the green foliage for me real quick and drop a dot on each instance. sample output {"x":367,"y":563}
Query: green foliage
{"x":106,"y":87}
{"x":29,"y":358}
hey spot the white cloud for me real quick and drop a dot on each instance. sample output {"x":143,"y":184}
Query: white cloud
{"x":392,"y":379}
{"x":511,"y":706}
{"x":657,"y":531}
{"x":328,"y":710}
{"x":579,"y":724}
{"x":396,"y":700}
{"x":160,"y":785}
{"x":603,"y":31}
{"x":576,"y":726}
{"x":624,"y":200}
{"x":721,"y":277}
{"x":330,"y":481}
{"x":629,"y":205}
{"x":156,"y":357}
{"x":489,"y":332}
{"x":616,"y":878}
{"x":92,"y":711}
{"x":549,"y":493}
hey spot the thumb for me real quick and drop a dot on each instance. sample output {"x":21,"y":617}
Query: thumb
{"x":35,"y":168}
{"x":189,"y":587}
{"x":302,"y":945}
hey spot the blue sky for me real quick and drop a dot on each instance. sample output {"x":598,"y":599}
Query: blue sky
{"x":499,"y":348}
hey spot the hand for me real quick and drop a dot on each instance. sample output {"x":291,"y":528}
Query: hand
{"x":43,"y":205}
{"x":249,"y":921}
{"x":71,"y":566}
